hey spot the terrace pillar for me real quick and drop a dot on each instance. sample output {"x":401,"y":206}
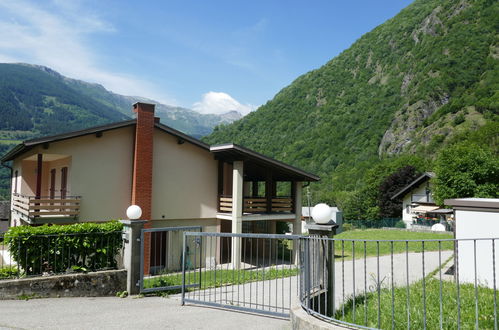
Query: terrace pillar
{"x":39,"y":168}
{"x":297,"y":203}
{"x":237,"y":211}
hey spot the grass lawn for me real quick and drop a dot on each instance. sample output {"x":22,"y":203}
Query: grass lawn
{"x":212,"y":279}
{"x":347,"y":248}
{"x":449,"y":307}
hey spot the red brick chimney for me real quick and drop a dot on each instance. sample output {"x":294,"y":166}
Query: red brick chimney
{"x":142,"y":169}
{"x":143,"y":157}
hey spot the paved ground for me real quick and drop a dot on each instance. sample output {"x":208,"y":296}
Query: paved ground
{"x":166,"y":313}
{"x":128,"y":313}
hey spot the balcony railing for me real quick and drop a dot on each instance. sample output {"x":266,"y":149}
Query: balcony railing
{"x":31,"y":207}
{"x":258,"y":204}
{"x":422,"y":198}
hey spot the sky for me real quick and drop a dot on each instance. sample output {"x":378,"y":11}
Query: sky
{"x":210,"y":56}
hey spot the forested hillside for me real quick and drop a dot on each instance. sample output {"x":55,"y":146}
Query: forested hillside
{"x":422,"y":81}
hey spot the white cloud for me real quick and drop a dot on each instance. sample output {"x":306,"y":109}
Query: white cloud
{"x":219,"y":103}
{"x":57,"y":36}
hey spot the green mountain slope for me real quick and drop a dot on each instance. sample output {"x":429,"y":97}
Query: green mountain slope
{"x":414,"y":84}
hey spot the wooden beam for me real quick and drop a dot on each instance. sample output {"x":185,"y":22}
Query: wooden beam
{"x":39,"y":175}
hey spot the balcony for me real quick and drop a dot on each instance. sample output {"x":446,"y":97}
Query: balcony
{"x":45,"y":209}
{"x":258,"y":205}
{"x":422,"y":198}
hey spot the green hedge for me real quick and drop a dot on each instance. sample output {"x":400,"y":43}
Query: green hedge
{"x":65,"y":248}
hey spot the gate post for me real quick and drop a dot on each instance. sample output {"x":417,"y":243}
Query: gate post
{"x":131,"y":255}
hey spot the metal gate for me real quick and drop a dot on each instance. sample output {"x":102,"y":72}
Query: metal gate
{"x":262,"y":277}
{"x":161,"y":268}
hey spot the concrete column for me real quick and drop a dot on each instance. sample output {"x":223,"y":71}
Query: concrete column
{"x":131,"y":254}
{"x":297,"y":221}
{"x":237,"y":211}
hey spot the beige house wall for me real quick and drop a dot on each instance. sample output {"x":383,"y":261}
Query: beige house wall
{"x":100,"y":171}
{"x":184,"y":180}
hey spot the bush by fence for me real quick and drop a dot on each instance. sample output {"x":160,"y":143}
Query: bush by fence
{"x":59,"y":249}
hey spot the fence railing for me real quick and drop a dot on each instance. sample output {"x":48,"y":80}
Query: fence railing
{"x":43,"y":255}
{"x":374,"y":223}
{"x":401,"y":284}
{"x":246,"y":272}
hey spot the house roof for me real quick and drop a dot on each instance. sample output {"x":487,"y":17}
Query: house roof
{"x":253,"y":160}
{"x":4,"y":209}
{"x":224,"y":151}
{"x":488,"y":203}
{"x":421,"y":179}
{"x":29,"y":144}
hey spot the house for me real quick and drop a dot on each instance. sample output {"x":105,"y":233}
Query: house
{"x":177,"y":180}
{"x":477,"y":229}
{"x":4,"y":216}
{"x":336,"y":217}
{"x":418,"y":206}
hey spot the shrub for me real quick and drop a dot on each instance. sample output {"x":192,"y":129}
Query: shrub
{"x":66,"y":248}
{"x":400,"y":224}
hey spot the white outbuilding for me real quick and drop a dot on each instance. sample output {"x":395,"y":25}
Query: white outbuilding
{"x":477,"y":228}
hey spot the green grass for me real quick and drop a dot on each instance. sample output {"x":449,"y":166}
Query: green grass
{"x":8,"y":272}
{"x":212,"y":279}
{"x":449,"y":310}
{"x":345,"y":248}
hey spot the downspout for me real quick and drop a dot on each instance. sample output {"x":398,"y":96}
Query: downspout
{"x":11,"y":174}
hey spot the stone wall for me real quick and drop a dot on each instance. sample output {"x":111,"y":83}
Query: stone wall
{"x":103,"y":283}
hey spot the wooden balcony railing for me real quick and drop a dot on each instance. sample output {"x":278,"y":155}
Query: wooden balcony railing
{"x":258,"y":204}
{"x":31,"y":207}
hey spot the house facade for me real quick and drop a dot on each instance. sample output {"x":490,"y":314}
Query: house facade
{"x":418,"y":207}
{"x":95,"y":174}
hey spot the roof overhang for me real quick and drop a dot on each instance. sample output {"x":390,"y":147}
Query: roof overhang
{"x":30,"y":144}
{"x":424,"y":209}
{"x":421,"y":179}
{"x":281,"y":171}
{"x":474,"y":204}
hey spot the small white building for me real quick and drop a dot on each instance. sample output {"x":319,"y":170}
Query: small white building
{"x":336,"y":217}
{"x":477,"y":219}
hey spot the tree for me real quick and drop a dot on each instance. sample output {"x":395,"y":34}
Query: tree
{"x":391,"y":184}
{"x":466,"y":170}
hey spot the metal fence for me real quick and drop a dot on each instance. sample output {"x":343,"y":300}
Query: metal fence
{"x":43,"y":255}
{"x":261,"y":278}
{"x":374,"y":223}
{"x":161,"y":264}
{"x":396,"y":284}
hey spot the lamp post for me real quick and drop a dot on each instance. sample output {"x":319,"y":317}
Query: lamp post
{"x":132,"y":247}
{"x":324,"y":228}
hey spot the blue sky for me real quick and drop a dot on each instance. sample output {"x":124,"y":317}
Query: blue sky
{"x":208,"y":55}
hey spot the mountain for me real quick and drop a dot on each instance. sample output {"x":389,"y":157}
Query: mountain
{"x":185,"y":120}
{"x":413,"y":85}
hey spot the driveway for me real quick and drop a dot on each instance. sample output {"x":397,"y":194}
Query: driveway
{"x":128,"y":313}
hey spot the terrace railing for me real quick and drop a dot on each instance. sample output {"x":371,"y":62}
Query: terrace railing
{"x":31,"y":207}
{"x":258,"y":204}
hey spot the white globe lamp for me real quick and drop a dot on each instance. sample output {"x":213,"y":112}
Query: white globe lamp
{"x":134,"y":212}
{"x":321,"y":213}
